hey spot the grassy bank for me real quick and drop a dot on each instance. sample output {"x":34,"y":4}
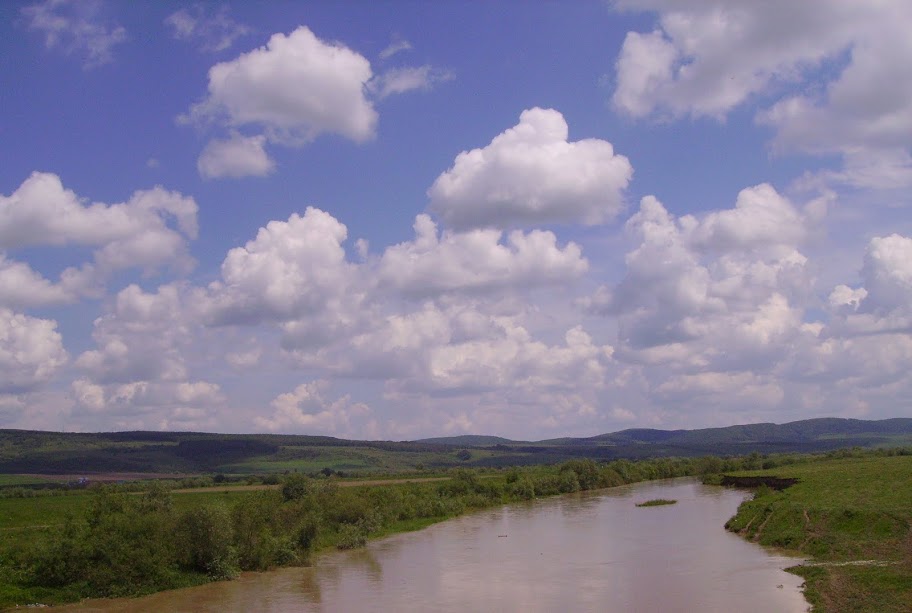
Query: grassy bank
{"x":852,"y":517}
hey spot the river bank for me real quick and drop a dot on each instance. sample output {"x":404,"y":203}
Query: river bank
{"x":127,"y":545}
{"x":585,"y":551}
{"x":852,"y":517}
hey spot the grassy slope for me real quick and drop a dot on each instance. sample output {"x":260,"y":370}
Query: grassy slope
{"x":843,"y":510}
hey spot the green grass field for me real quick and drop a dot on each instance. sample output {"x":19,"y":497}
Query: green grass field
{"x":853,"y":518}
{"x":14,"y":480}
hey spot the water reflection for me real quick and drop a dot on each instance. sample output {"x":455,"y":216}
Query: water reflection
{"x":582,"y":552}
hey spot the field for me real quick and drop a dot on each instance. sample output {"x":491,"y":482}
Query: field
{"x":852,"y":517}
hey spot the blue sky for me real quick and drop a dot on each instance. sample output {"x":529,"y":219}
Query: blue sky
{"x":404,"y":219}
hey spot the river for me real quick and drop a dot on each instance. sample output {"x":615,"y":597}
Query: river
{"x":595,"y":551}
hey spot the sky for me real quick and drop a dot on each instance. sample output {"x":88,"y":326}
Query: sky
{"x":394,"y":220}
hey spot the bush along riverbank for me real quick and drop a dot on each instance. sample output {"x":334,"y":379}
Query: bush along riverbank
{"x":852,"y":517}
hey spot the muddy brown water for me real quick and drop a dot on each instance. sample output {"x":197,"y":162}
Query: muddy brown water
{"x":587,"y":552}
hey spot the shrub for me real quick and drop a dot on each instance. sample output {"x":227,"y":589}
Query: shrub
{"x":522,"y":489}
{"x":586,"y":471}
{"x":206,"y":535}
{"x":296,"y":486}
{"x":568,"y":482}
{"x":252,"y":520}
{"x":307,"y":532}
{"x":351,"y":536}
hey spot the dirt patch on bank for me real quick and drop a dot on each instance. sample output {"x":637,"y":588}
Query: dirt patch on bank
{"x":776,"y":483}
{"x":254,"y":488}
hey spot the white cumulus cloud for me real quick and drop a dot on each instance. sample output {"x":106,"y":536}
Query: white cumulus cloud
{"x":140,"y":339}
{"x":148,"y":231}
{"x":31,"y":351}
{"x":532,"y":174}
{"x":292,"y":269}
{"x":725,"y":292}
{"x":476,"y":261}
{"x":22,"y":287}
{"x":294,"y":88}
{"x":838,"y":70}
{"x":883,"y":305}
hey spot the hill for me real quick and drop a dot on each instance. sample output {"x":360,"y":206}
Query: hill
{"x":24,"y":451}
{"x":470,"y":440}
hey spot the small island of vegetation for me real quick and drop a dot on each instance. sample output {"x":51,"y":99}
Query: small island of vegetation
{"x":656,"y":502}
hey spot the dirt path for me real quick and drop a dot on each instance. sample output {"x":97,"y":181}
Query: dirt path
{"x":106,"y":476}
{"x":253,"y":488}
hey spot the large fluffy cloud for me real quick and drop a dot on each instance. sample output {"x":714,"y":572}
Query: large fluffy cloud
{"x":139,"y":376}
{"x":22,"y":287}
{"x":884,"y":302}
{"x":724,"y":292}
{"x":708,"y":56}
{"x":290,"y":91}
{"x":294,"y":274}
{"x":160,"y":405}
{"x":295,"y":88}
{"x":148,"y":231}
{"x":532,"y":174}
{"x":139,"y":339}
{"x":857,"y":361}
{"x":464,"y":347}
{"x":476,"y":261}
{"x":42,"y":212}
{"x":31,"y":351}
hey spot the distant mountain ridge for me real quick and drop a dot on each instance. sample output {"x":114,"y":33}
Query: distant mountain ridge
{"x":804,"y":431}
{"x":470,"y":440}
